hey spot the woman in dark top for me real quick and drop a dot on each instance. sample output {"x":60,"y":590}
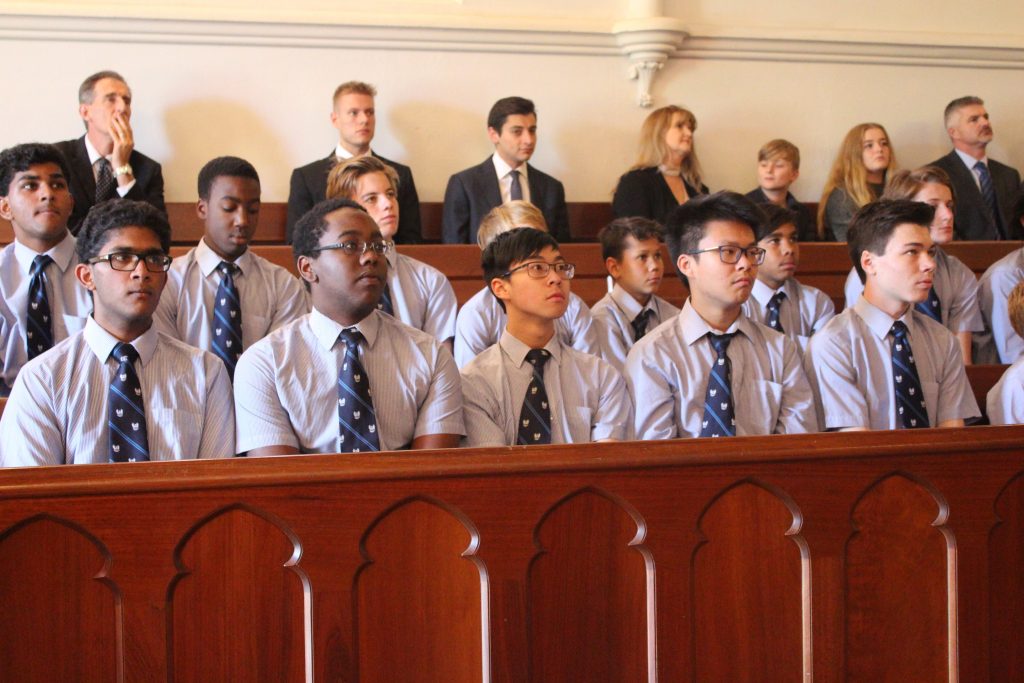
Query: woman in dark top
{"x":857,"y":177}
{"x":667,"y":172}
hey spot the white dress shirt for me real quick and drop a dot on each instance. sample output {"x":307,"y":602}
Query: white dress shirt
{"x":613,"y":319}
{"x":504,"y":173}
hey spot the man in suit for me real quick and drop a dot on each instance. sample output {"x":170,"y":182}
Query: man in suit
{"x":355,"y":118}
{"x":104,"y":163}
{"x":984,"y":187}
{"x":505,"y":176}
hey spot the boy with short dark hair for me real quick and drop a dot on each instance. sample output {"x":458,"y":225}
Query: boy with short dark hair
{"x":531,"y":388}
{"x":778,"y":299}
{"x":778,"y":167}
{"x":119,"y":391}
{"x":882,"y":364}
{"x":41,"y":301}
{"x":711,"y":371}
{"x":220,"y":296}
{"x":632,"y":252}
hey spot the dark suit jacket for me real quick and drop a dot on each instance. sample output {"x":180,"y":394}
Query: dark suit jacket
{"x":971,"y":219}
{"x":475,"y":191}
{"x":148,"y":187}
{"x":806,"y":228}
{"x":644,"y":192}
{"x":309,"y":186}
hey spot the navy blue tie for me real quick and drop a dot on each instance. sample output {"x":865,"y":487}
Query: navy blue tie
{"x":988,"y":191}
{"x":227,"y":318}
{"x":516,"y":190}
{"x":931,"y":306}
{"x":385,"y":301}
{"x":910,"y":405}
{"x":719,"y":413}
{"x":535,"y":416}
{"x":39,"y":322}
{"x":126,"y":413}
{"x":106,"y":185}
{"x":357,"y":422}
{"x":639,"y":324}
{"x":774,"y":306}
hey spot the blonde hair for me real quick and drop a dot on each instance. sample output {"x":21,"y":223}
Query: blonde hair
{"x":780,"y":149}
{"x":848,"y":172}
{"x":505,"y":217}
{"x":906,"y":184}
{"x":1015,"y":307}
{"x":343,"y":179}
{"x":653,"y":149}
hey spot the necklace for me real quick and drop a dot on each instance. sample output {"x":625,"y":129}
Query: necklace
{"x":667,"y":170}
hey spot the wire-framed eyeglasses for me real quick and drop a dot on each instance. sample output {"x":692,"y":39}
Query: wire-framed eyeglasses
{"x":731,"y":254}
{"x":541,"y":269}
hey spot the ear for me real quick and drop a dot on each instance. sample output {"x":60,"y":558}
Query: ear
{"x":304,"y":265}
{"x":500,"y":287}
{"x":796,"y":174}
{"x":867,"y":262}
{"x":83,"y":111}
{"x":685,"y":264}
{"x":334,"y":118}
{"x":202,"y":209}
{"x":83,"y":273}
{"x":613,"y":267}
{"x":5,"y":208}
{"x":493,"y":135}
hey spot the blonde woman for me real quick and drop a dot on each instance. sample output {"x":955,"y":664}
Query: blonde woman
{"x":667,"y":172}
{"x":857,"y":178}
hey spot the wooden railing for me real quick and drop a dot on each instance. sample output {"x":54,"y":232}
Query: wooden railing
{"x":832,"y":557}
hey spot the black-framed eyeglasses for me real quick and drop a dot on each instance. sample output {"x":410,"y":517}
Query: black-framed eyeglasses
{"x":156,"y":262}
{"x":731,"y":254}
{"x":358,"y":247}
{"x":540,"y":269}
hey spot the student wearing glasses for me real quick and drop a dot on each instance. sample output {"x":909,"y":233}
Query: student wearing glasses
{"x":532,"y":388}
{"x":347,"y":377}
{"x":712,"y":371}
{"x":120,"y":391}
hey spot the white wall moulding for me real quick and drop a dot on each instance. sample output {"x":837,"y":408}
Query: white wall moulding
{"x":648,"y":42}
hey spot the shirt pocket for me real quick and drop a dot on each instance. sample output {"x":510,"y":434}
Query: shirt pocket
{"x":931,"y":402}
{"x":177,"y":433}
{"x":762,"y":408}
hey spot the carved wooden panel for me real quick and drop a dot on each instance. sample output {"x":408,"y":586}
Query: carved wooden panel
{"x":1006,"y":562}
{"x":589,"y":585}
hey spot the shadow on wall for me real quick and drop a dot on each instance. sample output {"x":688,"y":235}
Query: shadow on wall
{"x":200,"y":130}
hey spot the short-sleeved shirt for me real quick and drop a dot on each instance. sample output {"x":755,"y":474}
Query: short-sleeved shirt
{"x":954,"y":284}
{"x":613,"y":318}
{"x":668,"y":371}
{"x":286,"y":385}
{"x":588,"y":398}
{"x":421,"y":296}
{"x":804,"y":311}
{"x":57,"y":413}
{"x":999,"y":343}
{"x":849,"y":363}
{"x":1005,"y":400}
{"x":481,"y":321}
{"x":270,"y":297}
{"x":70,"y":303}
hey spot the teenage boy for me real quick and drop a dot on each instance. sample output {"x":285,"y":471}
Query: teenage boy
{"x":481,"y":320}
{"x":999,"y":343}
{"x":41,"y":301}
{"x":1005,"y":401}
{"x":119,"y":391}
{"x":530,"y":388}
{"x":882,"y":364}
{"x":778,"y":167}
{"x":345,"y":378}
{"x":632,"y":251}
{"x":778,"y":299}
{"x":220,"y":296}
{"x":711,"y":371}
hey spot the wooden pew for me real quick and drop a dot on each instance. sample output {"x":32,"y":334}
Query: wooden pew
{"x":835,"y":557}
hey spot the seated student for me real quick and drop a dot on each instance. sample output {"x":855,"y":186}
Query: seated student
{"x":711,"y":371}
{"x":120,"y":391}
{"x":857,"y":177}
{"x":953,"y":300}
{"x":220,"y":296}
{"x":882,"y":364}
{"x":778,"y":299}
{"x":778,"y":167}
{"x":417,"y":294}
{"x":41,"y":301}
{"x":531,"y":388}
{"x":999,"y":343}
{"x":481,"y":320}
{"x":1005,"y":400}
{"x":345,"y":378}
{"x":631,"y":248}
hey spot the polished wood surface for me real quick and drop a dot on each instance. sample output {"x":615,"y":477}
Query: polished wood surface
{"x":830,"y":557}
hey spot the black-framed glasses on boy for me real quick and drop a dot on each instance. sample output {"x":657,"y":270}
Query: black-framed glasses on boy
{"x":540,"y":269}
{"x":156,"y":262}
{"x":731,"y":254}
{"x":359,"y":247}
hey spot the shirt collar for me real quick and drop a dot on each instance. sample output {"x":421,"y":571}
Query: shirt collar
{"x":762,"y":293}
{"x":502,"y":169}
{"x":970,"y":161}
{"x":695,"y":327}
{"x":326,"y":330}
{"x":880,"y":322}
{"x":94,"y":155}
{"x":628,"y":305}
{"x":61,"y":254}
{"x":102,"y":342}
{"x":342,"y":154}
{"x":208,"y":259}
{"x":517,"y":350}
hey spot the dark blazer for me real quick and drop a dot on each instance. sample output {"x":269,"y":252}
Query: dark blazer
{"x":806,"y":228}
{"x":644,"y":192}
{"x":475,"y":191}
{"x":309,"y":186}
{"x":148,"y":187}
{"x":972,"y":218}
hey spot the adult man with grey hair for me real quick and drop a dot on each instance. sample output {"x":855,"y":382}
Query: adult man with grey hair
{"x":984,"y":187}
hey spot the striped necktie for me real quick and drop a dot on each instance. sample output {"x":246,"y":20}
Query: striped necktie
{"x":639,"y":324}
{"x":988,"y":191}
{"x":126,"y":413}
{"x":719,"y":413}
{"x":931,"y":306}
{"x":39,"y":323}
{"x":774,"y":307}
{"x":385,"y":304}
{"x":910,"y":405}
{"x":357,"y":422}
{"x":227,"y":318}
{"x":535,"y":415}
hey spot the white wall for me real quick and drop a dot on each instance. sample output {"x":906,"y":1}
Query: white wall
{"x":262,"y":89}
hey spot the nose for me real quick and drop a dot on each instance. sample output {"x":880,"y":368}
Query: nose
{"x":928,"y":262}
{"x":745,"y":262}
{"x":141,"y":272}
